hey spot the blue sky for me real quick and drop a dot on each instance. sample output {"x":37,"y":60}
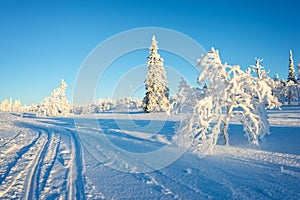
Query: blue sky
{"x":44,"y":41}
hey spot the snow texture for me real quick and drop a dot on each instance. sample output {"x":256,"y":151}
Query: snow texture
{"x":45,"y":158}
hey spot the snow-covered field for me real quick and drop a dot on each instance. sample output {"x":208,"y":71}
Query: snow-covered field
{"x":63,"y":158}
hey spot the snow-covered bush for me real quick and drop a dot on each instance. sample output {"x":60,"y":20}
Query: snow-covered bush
{"x":104,"y":105}
{"x":6,"y":105}
{"x":57,"y":104}
{"x":185,"y":99}
{"x":107,"y":104}
{"x":230,"y":92}
{"x":292,"y":92}
{"x":17,"y":106}
{"x":157,"y":92}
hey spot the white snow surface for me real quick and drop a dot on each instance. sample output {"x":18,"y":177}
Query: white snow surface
{"x":46,"y":158}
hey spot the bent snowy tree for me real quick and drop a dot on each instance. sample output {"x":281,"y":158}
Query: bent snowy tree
{"x":230,"y":92}
{"x":157,"y":91}
{"x":57,"y":104}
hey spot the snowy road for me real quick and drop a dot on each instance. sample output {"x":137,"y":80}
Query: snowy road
{"x":47,"y":158}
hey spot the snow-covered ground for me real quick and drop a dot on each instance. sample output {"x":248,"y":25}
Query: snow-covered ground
{"x":66,"y":158}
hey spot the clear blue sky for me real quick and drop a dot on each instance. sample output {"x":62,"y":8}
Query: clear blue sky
{"x":44,"y":41}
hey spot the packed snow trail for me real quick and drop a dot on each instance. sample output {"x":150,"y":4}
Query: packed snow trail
{"x":47,"y":166}
{"x":52,"y":158}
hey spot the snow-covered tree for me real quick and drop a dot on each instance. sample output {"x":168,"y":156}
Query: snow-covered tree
{"x":17,"y":107}
{"x":292,"y":92}
{"x":291,"y":75}
{"x":6,"y":105}
{"x":231,"y":92}
{"x":279,"y":91}
{"x":157,"y":91}
{"x":262,"y":98}
{"x":128,"y":103}
{"x":107,"y":104}
{"x":137,"y":103}
{"x":123,"y":103}
{"x":57,"y":104}
{"x":186,"y":98}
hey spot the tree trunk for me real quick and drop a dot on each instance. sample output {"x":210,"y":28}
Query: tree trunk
{"x":224,"y":132}
{"x":226,"y":125}
{"x":289,"y":97}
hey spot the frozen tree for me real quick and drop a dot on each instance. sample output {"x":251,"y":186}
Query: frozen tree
{"x":6,"y":105}
{"x":124,"y":103}
{"x":107,"y":104}
{"x":9,"y":106}
{"x":157,"y":92}
{"x":137,"y":103}
{"x":231,"y":92}
{"x":17,"y":107}
{"x":185,"y":99}
{"x":279,"y":90}
{"x":291,"y":91}
{"x":262,"y":98}
{"x":291,"y":85}
{"x":291,"y":75}
{"x":128,"y":103}
{"x":57,"y":104}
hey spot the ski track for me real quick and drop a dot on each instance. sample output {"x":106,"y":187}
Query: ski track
{"x":75,"y":177}
{"x":20,"y":153}
{"x":50,"y":163}
{"x":32,"y":190}
{"x":16,"y":170}
{"x":35,"y":165}
{"x":10,"y":140}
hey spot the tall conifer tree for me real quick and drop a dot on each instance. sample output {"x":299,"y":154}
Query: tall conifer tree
{"x":157,"y":91}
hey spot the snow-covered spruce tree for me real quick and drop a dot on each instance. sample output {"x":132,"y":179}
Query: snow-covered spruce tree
{"x":231,"y":92}
{"x":57,"y":104}
{"x":157,"y":91}
{"x":291,"y":75}
{"x":291,"y":81}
